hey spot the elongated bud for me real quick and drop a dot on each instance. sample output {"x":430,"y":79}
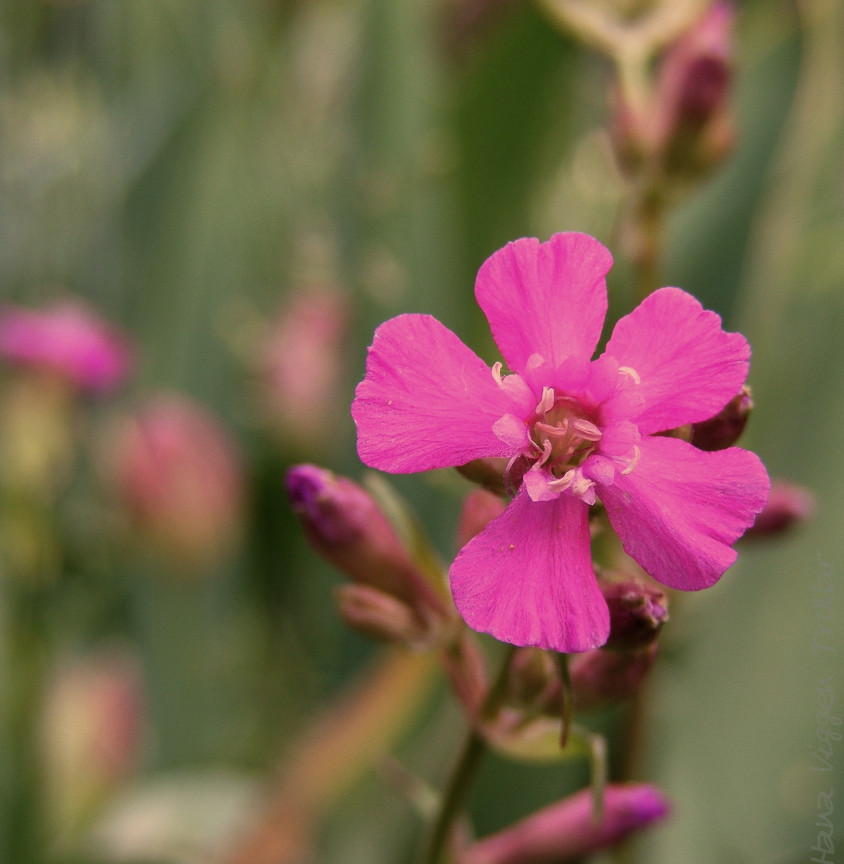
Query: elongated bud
{"x":601,"y":678}
{"x":179,"y":475}
{"x":347,"y":527}
{"x":567,"y":831}
{"x":307,"y":334}
{"x":638,"y":612}
{"x":378,"y":615}
{"x":788,"y":505}
{"x":726,"y":427}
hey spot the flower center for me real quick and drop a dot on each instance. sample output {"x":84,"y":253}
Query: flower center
{"x":561,"y":433}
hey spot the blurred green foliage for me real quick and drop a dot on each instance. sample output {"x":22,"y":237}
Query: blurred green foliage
{"x":186,"y":166}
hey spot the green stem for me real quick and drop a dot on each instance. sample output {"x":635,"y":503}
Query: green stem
{"x":647,"y":232}
{"x":461,"y":781}
{"x":465,"y":771}
{"x":27,"y":662}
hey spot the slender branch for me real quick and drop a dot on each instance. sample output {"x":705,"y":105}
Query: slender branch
{"x":465,"y":771}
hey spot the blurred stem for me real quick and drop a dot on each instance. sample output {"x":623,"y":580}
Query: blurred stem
{"x":27,"y":656}
{"x":645,"y":233}
{"x":465,"y":770}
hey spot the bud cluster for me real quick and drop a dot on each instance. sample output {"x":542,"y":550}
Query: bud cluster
{"x":393,"y":595}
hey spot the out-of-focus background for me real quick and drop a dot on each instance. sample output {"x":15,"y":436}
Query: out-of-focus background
{"x":245,"y":190}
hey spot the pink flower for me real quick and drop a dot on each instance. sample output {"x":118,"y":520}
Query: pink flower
{"x":67,"y":339}
{"x":178,"y":473}
{"x":572,"y":430}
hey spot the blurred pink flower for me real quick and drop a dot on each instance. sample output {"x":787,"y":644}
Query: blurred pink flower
{"x":66,"y":338}
{"x":571,"y":429}
{"x":567,"y":830}
{"x":180,"y":477}
{"x":301,"y":365}
{"x":92,"y":729}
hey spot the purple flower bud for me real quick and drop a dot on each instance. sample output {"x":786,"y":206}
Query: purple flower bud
{"x":788,"y":505}
{"x":726,"y":427}
{"x":347,"y":527}
{"x":567,"y":830}
{"x":68,"y":340}
{"x":638,"y":612}
{"x":600,"y":678}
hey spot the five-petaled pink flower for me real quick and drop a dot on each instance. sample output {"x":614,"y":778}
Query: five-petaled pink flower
{"x":572,"y":430}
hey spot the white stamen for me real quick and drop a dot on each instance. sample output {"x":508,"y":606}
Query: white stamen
{"x":546,"y":403}
{"x":562,"y":483}
{"x":496,"y":373}
{"x":585,"y":429}
{"x":633,"y":460}
{"x":629,"y":370}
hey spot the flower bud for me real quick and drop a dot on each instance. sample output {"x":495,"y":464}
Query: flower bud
{"x":533,"y":680}
{"x":91,"y":734}
{"x":378,"y":615}
{"x":307,"y":335}
{"x":68,"y":340}
{"x":726,"y":427}
{"x":601,"y":678}
{"x":479,"y":509}
{"x":788,"y":505}
{"x":347,"y":527}
{"x":488,"y":473}
{"x":691,"y":93}
{"x":638,"y":612}
{"x":568,"y":831}
{"x":179,"y":476}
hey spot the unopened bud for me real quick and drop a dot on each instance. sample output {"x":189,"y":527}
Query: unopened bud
{"x":347,"y":527}
{"x":179,"y":476}
{"x":479,"y":509}
{"x":378,"y":615}
{"x":788,"y":505}
{"x":691,"y":91}
{"x":726,"y":427}
{"x":488,"y":473}
{"x":568,"y":831}
{"x":638,"y":612}
{"x":601,"y":678}
{"x":465,"y":666}
{"x":308,"y":334}
{"x":533,"y":680}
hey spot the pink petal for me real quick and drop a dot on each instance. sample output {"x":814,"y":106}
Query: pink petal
{"x":688,"y":367}
{"x":527,"y":578}
{"x":680,"y":509}
{"x":545,"y":298}
{"x":427,"y":400}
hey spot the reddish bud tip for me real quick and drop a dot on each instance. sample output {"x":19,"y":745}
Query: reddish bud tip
{"x":788,"y":505}
{"x":347,"y":527}
{"x":726,"y":427}
{"x":637,"y":613}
